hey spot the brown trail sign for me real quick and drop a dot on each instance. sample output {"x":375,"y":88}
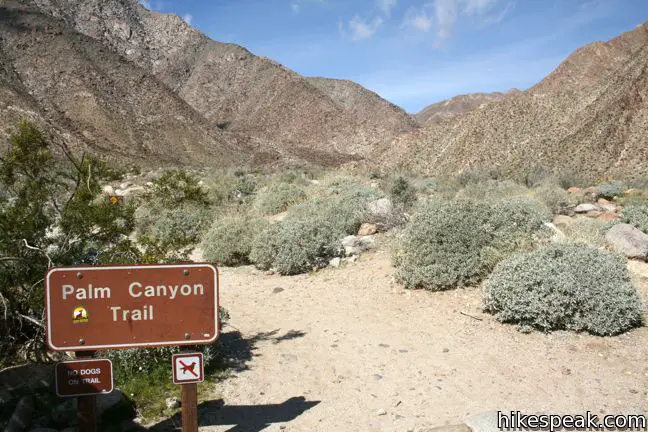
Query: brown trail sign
{"x":84,"y":377}
{"x":118,"y":307}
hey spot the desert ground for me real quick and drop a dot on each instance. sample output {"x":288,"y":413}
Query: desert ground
{"x":348,"y":349}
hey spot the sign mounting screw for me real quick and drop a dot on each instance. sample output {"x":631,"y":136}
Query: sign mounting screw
{"x":82,"y":341}
{"x":186,"y":272}
{"x":187,"y":336}
{"x":79,"y":275}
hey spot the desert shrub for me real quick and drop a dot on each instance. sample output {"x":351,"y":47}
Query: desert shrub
{"x":610,"y":190}
{"x":171,"y":233}
{"x":457,"y":243}
{"x":51,"y":214}
{"x":492,"y":190}
{"x":229,"y":241}
{"x":310,"y":235}
{"x":636,"y":215}
{"x":265,"y":247}
{"x":402,"y":192}
{"x":632,"y":200}
{"x":277,"y":197}
{"x":587,"y":231}
{"x":564,"y":287}
{"x":172,"y":216}
{"x":231,"y":188}
{"x":555,"y":197}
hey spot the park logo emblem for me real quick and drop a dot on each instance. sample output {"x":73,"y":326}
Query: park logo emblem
{"x":80,"y":315}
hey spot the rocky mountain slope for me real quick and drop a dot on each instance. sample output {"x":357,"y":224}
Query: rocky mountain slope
{"x":236,"y":91}
{"x":588,"y":117}
{"x":451,"y":108}
{"x":91,"y":98}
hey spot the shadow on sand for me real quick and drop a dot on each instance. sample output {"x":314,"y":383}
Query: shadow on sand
{"x":242,"y":418}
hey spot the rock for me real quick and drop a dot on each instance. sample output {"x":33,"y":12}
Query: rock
{"x":608,"y":217}
{"x":172,"y":403}
{"x":380,"y":210}
{"x":602,"y":201}
{"x":628,"y":240}
{"x":367,"y":229}
{"x":591,"y":191}
{"x":632,"y":192}
{"x":22,"y":415}
{"x":350,"y":241}
{"x":575,"y":190}
{"x":367,"y":242}
{"x":335,"y":262}
{"x":483,"y":422}
{"x":110,"y":407}
{"x":277,"y":290}
{"x":609,"y":207}
{"x":562,"y":221}
{"x":593,"y":214}
{"x":125,"y":185}
{"x":354,"y":245}
{"x":108,"y":190}
{"x":585,"y":208}
{"x":381,"y":412}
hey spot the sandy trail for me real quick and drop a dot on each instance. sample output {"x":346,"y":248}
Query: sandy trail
{"x":349,"y":350}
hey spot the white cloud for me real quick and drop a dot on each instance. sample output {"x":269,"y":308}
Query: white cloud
{"x":386,"y":6}
{"x":418,"y":19}
{"x":446,"y":12}
{"x":478,"y":7}
{"x":295,"y":7}
{"x":187,"y":17}
{"x":362,"y":29}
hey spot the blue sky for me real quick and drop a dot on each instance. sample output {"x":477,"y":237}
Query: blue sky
{"x":414,"y":52}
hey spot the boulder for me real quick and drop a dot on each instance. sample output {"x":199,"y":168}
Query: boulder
{"x":628,"y":240}
{"x":609,"y":207}
{"x":593,"y":214}
{"x":380,"y":210}
{"x":575,"y":190}
{"x":483,"y":422}
{"x":558,"y":236}
{"x":585,"y":208}
{"x":112,"y":407}
{"x":367,"y":229}
{"x":173,"y":402}
{"x":632,"y":192}
{"x":562,"y":221}
{"x":602,"y":201}
{"x":608,"y":217}
{"x":335,"y":262}
{"x":108,"y":190}
{"x":133,"y":189}
{"x":354,"y":245}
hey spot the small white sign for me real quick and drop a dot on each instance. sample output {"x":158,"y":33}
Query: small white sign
{"x":188,"y":368}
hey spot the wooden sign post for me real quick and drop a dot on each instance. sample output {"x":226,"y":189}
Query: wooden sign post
{"x":118,"y":307}
{"x":86,"y":404}
{"x":188,"y":371}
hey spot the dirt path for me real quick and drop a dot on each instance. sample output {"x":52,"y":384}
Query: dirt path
{"x":349,"y":350}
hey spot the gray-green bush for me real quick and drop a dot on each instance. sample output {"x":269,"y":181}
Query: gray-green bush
{"x":492,"y":190}
{"x":457,"y":243}
{"x":277,"y":197}
{"x":310,"y":235}
{"x":229,"y":241}
{"x":610,"y":190}
{"x":564,"y":287}
{"x":555,"y":197}
{"x":636,"y":215}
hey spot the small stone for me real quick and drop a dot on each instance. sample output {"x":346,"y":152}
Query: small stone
{"x":562,"y":221}
{"x":381,"y":412}
{"x":377,"y":377}
{"x":602,"y":201}
{"x":282,"y":427}
{"x":445,"y":350}
{"x":277,"y":290}
{"x":335,"y":262}
{"x":575,"y":190}
{"x":367,"y":229}
{"x":172,"y":403}
{"x":608,"y":217}
{"x":593,"y":214}
{"x":632,"y":192}
{"x":585,"y":208}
